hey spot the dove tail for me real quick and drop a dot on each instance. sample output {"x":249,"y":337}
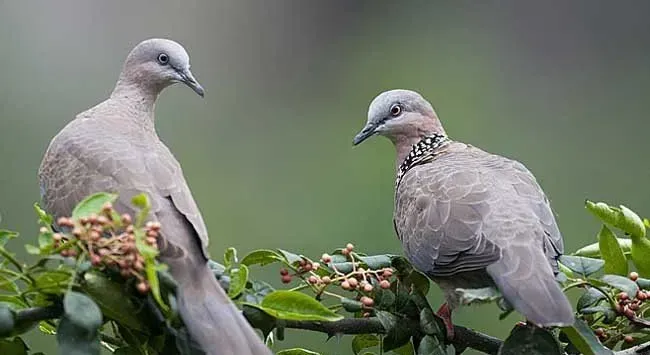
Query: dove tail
{"x":526,"y":280}
{"x":212,"y":319}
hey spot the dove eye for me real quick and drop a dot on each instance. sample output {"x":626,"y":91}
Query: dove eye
{"x":163,"y":59}
{"x":395,"y":110}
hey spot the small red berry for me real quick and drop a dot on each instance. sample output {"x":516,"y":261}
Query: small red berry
{"x":345,"y":285}
{"x":385,"y":284}
{"x":312,"y":280}
{"x":599,"y":332}
{"x":629,"y":313}
{"x":622,"y":296}
{"x":628,"y":339}
{"x":307,"y":267}
{"x":326,"y":280}
{"x":96,"y":260}
{"x":284,"y":271}
{"x":633,"y":276}
{"x":349,"y":247}
{"x":143,"y":287}
{"x":126,"y":219}
{"x":641,"y":295}
{"x":353,"y":282}
{"x":388,"y":273}
{"x":367,"y":287}
{"x":315,"y":266}
{"x":345,"y":252}
{"x":367,"y":301}
{"x":286,"y":279}
{"x":326,"y":258}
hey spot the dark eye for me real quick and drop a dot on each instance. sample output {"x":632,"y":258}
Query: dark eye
{"x":395,"y":110}
{"x":163,"y":59}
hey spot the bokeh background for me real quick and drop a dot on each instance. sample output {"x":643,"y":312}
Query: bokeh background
{"x":561,"y":86}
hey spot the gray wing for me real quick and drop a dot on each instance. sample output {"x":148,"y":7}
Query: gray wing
{"x":462,"y":209}
{"x":81,"y":161}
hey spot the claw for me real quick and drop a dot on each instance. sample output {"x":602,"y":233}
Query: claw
{"x":444,"y":312}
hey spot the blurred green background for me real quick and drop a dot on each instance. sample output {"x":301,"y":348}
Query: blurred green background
{"x":560,"y":86}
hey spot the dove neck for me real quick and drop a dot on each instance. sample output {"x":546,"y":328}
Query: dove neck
{"x":424,"y":150}
{"x":136,"y":97}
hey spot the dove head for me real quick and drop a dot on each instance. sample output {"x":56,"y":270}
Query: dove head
{"x":155,"y":64}
{"x":403,"y":116}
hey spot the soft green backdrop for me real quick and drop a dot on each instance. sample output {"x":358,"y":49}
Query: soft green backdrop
{"x":561,"y":86}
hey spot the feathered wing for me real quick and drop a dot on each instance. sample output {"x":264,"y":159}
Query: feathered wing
{"x":469,"y":210}
{"x":80,"y":162}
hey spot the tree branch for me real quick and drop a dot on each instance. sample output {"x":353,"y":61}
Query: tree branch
{"x":463,"y":337}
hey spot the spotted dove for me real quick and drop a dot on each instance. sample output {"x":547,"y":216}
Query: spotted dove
{"x":468,"y":218}
{"x":114,"y":147}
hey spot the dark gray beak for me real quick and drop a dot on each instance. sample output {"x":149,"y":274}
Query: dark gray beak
{"x":190,"y":81}
{"x":368,"y":131}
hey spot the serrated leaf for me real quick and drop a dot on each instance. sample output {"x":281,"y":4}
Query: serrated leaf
{"x":583,"y":338}
{"x":430,"y":345}
{"x":297,"y":351}
{"x":261,"y":257}
{"x":238,"y":279}
{"x":622,"y":283}
{"x":92,"y":204}
{"x":478,"y":295}
{"x":611,"y":252}
{"x":294,"y":305}
{"x":6,"y":235}
{"x":230,"y":257}
{"x":82,"y":311}
{"x":364,"y":341}
{"x":589,"y":298}
{"x":114,"y":300}
{"x":530,"y":340}
{"x":582,"y":265}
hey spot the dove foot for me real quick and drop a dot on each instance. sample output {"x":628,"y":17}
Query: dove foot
{"x":444,"y":312}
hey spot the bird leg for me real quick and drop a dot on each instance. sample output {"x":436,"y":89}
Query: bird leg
{"x":444,"y":312}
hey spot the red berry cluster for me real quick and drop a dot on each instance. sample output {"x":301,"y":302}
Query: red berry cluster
{"x":628,"y":306}
{"x":108,"y":243}
{"x":359,"y":279}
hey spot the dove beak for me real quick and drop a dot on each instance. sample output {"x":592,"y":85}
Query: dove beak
{"x":368,"y":131}
{"x":189,"y":80}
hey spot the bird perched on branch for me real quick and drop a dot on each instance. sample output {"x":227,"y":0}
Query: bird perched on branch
{"x":113,"y":147}
{"x":468,"y":218}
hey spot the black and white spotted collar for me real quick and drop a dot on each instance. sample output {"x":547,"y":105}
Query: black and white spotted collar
{"x":422,"y":152}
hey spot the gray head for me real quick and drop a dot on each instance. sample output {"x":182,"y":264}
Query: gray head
{"x":400,"y":115}
{"x":157,"y":63}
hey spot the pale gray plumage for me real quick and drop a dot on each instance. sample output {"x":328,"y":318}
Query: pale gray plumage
{"x":114,"y":147}
{"x":468,"y":218}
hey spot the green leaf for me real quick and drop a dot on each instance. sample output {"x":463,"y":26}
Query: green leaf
{"x":603,"y":211}
{"x":6,"y":235}
{"x":261,"y":257}
{"x":33,"y":250}
{"x":406,"y":349}
{"x":622,"y":283}
{"x":478,"y":295}
{"x":589,"y":298}
{"x":583,"y":338}
{"x":238,"y":279}
{"x":631,"y":223}
{"x":530,"y":340}
{"x":294,"y":305}
{"x":13,"y":347}
{"x":53,"y":281}
{"x":643,"y":283}
{"x":82,"y":311}
{"x":127,"y":350}
{"x":259,"y":319}
{"x":376,"y":262}
{"x":76,"y":340}
{"x":430,"y":345}
{"x":92,"y":204}
{"x":364,"y":341}
{"x":7,"y":320}
{"x":593,"y":250}
{"x":140,"y":201}
{"x":44,"y":218}
{"x":351,"y":305}
{"x":45,"y":241}
{"x":430,"y":323}
{"x":582,"y":265}
{"x":114,"y":300}
{"x":397,"y":333}
{"x":640,"y":255}
{"x":257,"y":291}
{"x":8,"y":284}
{"x":290,"y":258}
{"x":611,"y":252}
{"x":230,"y":257}
{"x":297,"y":351}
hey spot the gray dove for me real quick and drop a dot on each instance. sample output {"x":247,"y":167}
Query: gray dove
{"x":114,"y":147}
{"x":468,"y":218}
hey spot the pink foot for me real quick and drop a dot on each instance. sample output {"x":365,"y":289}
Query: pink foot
{"x":444,"y":312}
